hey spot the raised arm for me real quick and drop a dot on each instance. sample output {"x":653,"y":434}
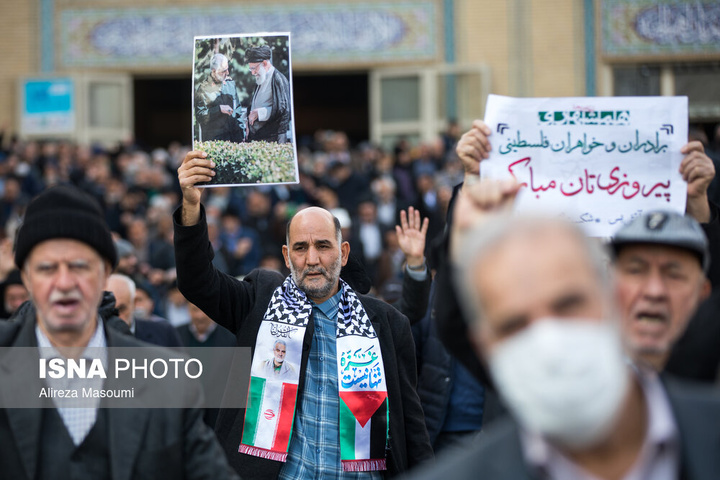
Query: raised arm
{"x":474,"y":147}
{"x":195,"y":168}
{"x":697,"y":170}
{"x":411,"y":234}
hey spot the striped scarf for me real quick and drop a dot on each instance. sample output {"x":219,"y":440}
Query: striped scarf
{"x":272,"y":397}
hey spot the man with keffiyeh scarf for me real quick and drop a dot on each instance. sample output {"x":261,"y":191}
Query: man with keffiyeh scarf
{"x":352,"y":410}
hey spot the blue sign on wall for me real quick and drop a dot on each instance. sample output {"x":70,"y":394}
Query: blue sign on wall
{"x":48,"y":106}
{"x":44,"y":96}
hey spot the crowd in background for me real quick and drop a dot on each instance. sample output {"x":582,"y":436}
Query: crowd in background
{"x":364,"y":186}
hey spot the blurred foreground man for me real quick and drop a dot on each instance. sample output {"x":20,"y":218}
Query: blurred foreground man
{"x":544,"y":321}
{"x":66,"y":254}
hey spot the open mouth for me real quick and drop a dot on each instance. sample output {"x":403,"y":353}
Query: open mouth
{"x":66,"y":304}
{"x":651,"y":317}
{"x":651,"y":324}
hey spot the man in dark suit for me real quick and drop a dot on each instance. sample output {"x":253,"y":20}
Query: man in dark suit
{"x":203,"y":332}
{"x":65,"y":253}
{"x":157,"y":332}
{"x":546,"y":322}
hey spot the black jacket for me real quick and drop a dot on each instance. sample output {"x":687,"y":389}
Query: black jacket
{"x":143,"y":442}
{"x":696,"y":355}
{"x":497,"y":452}
{"x":240,"y":306}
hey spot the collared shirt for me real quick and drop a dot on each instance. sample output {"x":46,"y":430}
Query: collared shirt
{"x":314,"y":451}
{"x":78,"y":420}
{"x":659,"y":457}
{"x":417,"y":275}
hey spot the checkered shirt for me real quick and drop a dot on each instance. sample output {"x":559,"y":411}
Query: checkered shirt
{"x":315,"y":444}
{"x":77,"y":420}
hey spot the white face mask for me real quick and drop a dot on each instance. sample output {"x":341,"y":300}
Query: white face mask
{"x":564,"y":379}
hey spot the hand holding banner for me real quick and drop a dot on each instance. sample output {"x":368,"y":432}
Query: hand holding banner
{"x":599,"y":161}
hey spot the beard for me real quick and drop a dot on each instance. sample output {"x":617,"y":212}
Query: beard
{"x":331,"y":277}
{"x":261,"y":75}
{"x":216,"y":78}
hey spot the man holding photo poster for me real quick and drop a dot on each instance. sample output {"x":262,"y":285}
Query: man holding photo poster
{"x":269,"y":115}
{"x":351,"y":410}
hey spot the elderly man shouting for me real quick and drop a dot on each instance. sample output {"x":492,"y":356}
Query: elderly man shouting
{"x":66,"y":254}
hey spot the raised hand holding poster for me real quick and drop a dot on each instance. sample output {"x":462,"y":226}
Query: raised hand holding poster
{"x":243,"y":110}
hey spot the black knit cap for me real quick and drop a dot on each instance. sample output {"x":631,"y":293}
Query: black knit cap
{"x":257,"y":54}
{"x":64,"y":212}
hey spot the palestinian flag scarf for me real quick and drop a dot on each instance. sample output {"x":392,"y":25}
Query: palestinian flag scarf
{"x":272,"y":397}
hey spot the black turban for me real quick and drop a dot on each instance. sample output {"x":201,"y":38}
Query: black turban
{"x":257,"y":54}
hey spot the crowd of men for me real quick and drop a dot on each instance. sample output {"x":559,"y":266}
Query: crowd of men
{"x":393,"y":317}
{"x":365,"y":187}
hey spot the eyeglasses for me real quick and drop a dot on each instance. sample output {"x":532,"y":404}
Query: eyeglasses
{"x":255,"y":68}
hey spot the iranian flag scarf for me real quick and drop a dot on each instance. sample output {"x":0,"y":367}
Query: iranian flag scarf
{"x":272,"y":398}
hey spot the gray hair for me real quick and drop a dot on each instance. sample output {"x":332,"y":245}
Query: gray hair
{"x":129,"y":282}
{"x":384,"y":180}
{"x":217,"y":60}
{"x":480,"y":242}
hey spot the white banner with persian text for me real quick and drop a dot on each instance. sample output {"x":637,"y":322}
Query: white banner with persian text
{"x":598,"y":161}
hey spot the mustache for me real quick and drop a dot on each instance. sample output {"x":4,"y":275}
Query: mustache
{"x":311,"y":271}
{"x":69,"y":296}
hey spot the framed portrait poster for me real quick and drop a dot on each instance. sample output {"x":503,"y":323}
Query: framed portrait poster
{"x":243,"y":110}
